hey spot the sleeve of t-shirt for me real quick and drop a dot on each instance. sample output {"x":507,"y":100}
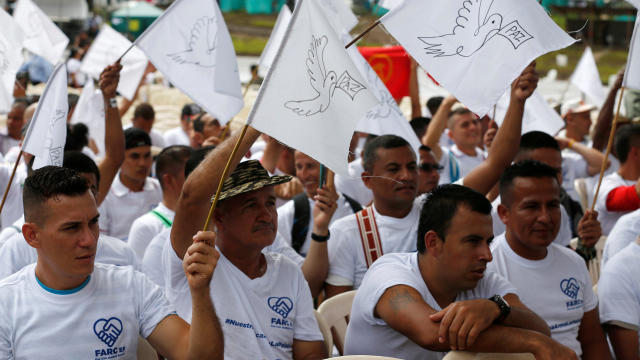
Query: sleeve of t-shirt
{"x":618,"y":301}
{"x":590,"y":298}
{"x":280,"y":246}
{"x":140,"y":236}
{"x":6,"y":351}
{"x":494,"y":284}
{"x":342,"y":258}
{"x":104,"y":219}
{"x":306,"y":325}
{"x":15,"y":255}
{"x":152,"y":305}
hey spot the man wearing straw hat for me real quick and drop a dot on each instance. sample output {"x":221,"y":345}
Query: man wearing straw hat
{"x":265,"y":306}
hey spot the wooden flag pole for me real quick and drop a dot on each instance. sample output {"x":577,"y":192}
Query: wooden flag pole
{"x":609,"y":145}
{"x":224,"y":177}
{"x":227,"y":128}
{"x":126,"y":52}
{"x":13,"y":173}
{"x":373,"y":25}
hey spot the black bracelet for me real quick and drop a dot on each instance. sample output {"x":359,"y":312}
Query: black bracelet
{"x":319,"y":238}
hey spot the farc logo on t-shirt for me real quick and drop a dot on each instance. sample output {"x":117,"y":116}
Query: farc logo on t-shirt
{"x":283,"y":307}
{"x":108,"y":331}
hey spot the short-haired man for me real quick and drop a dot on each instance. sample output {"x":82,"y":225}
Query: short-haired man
{"x":99,"y":308}
{"x":263,"y":299}
{"x":143,"y":118}
{"x":204,"y":130}
{"x":180,"y":134}
{"x":619,"y":291}
{"x":170,"y":173}
{"x":15,"y":122}
{"x":133,"y":193}
{"x":552,"y":280}
{"x":620,"y":191}
{"x":430,"y":169}
{"x":420,"y":305}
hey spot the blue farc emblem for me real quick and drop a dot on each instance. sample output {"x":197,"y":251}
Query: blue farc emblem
{"x":281,"y":305}
{"x":108,"y":331}
{"x":570,"y":287}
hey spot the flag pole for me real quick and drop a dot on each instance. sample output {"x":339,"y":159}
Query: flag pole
{"x":609,"y":145}
{"x":127,"y":51}
{"x":227,"y":128}
{"x":13,"y":173}
{"x":224,"y":176}
{"x":373,"y":25}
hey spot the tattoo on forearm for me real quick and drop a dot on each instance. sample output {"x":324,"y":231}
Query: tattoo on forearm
{"x":400,"y":298}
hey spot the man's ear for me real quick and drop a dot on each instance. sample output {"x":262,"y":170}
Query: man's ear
{"x":167,"y":179}
{"x":433,"y":243}
{"x":366,"y":179}
{"x":503,"y":213}
{"x":30,"y":233}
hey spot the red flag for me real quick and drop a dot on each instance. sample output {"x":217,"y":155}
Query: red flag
{"x":393,"y":66}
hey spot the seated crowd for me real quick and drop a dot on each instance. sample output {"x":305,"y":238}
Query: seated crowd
{"x":462,"y":244}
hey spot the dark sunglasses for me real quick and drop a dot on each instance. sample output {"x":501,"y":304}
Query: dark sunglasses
{"x":427,"y":167}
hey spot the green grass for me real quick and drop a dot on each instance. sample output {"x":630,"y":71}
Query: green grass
{"x":248,"y":45}
{"x":263,"y":23}
{"x":609,"y":61}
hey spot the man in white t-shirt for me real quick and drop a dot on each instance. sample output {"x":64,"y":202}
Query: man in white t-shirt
{"x":170,"y":165}
{"x":143,"y":118}
{"x":100,"y":309}
{"x":620,"y":191}
{"x":133,"y":193}
{"x":551,"y":280}
{"x":15,"y":122}
{"x":619,"y":291}
{"x":420,"y":305}
{"x":264,"y":303}
{"x":180,"y":135}
{"x":624,"y":232}
{"x":391,"y":173}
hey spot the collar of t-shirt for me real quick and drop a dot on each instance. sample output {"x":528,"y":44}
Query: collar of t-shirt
{"x":165,"y":211}
{"x":455,"y":150}
{"x":502,"y":243}
{"x":120,"y":190}
{"x":404,"y":223}
{"x":69,"y":296}
{"x":264,"y":281}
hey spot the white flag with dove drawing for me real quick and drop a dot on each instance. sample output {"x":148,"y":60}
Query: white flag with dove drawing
{"x":314,"y":95}
{"x":587,"y":78}
{"x":42,"y":36}
{"x":632,"y":73}
{"x":47,"y":132}
{"x":190,"y":44}
{"x":108,"y":46}
{"x":385,"y":117}
{"x":538,"y":114}
{"x":11,"y":40}
{"x":475,"y":48}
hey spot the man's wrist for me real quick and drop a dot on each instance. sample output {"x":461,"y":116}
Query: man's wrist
{"x":111,"y":102}
{"x":320,"y":237}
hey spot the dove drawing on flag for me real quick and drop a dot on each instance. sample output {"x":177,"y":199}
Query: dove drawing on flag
{"x":474,"y":27}
{"x":322,"y":82}
{"x":202,"y":44}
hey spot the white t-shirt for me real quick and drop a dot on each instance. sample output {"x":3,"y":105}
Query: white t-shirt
{"x":286,"y":214}
{"x":467,"y":162}
{"x":280,"y":246}
{"x":9,"y":231}
{"x":608,"y":218}
{"x":353,"y":186}
{"x":122,"y":206}
{"x":619,"y":288}
{"x":100,"y":320}
{"x":369,"y":335}
{"x":260,"y":317}
{"x":574,"y":166}
{"x":152,"y":260}
{"x":17,"y":253}
{"x":564,"y":234}
{"x":73,"y":68}
{"x":347,"y":264}
{"x":6,"y":143}
{"x":147,"y":226}
{"x":558,"y":287}
{"x":624,"y":232}
{"x":450,"y":167}
{"x":176,"y":136}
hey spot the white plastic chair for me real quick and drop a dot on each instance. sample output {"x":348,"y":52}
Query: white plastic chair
{"x":581,"y":188}
{"x":335,"y":312}
{"x":145,"y":350}
{"x":594,"y":264}
{"x":463,"y":355}
{"x":326,"y":332}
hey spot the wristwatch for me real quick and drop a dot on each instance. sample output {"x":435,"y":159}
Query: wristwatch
{"x":320,"y":238}
{"x":113,"y":103}
{"x":504,"y":306}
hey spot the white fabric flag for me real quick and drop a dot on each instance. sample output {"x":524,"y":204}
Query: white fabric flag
{"x":42,"y":36}
{"x":587,"y":78}
{"x":275,"y":40}
{"x":390,"y":4}
{"x":90,"y":111}
{"x":11,"y":40}
{"x":47,"y":132}
{"x":339,"y":15}
{"x":475,"y":48}
{"x":314,"y":95}
{"x":108,"y":46}
{"x":385,"y":118}
{"x":632,"y":73}
{"x":190,"y":44}
{"x":538,"y":114}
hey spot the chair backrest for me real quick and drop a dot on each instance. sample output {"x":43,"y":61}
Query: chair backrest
{"x":581,"y":188}
{"x":145,"y":350}
{"x":463,"y":355}
{"x":594,"y":264}
{"x":325,"y":329}
{"x":335,"y":312}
